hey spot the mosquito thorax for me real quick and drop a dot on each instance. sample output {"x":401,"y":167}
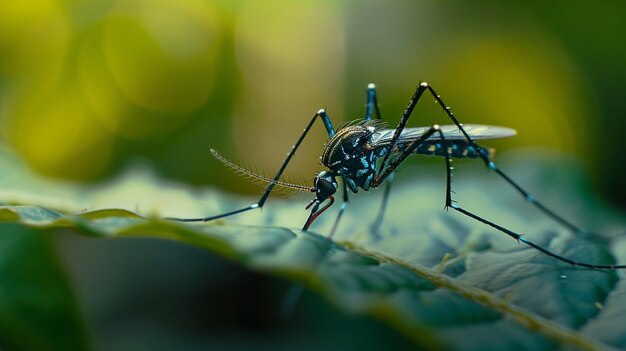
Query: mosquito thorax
{"x":325,"y":185}
{"x":349,"y":153}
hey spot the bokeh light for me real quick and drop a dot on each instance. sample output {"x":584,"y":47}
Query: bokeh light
{"x":286,"y":79}
{"x":87,"y":88}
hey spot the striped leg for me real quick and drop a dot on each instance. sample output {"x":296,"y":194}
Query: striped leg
{"x":483,"y":154}
{"x":372,"y":107}
{"x":372,"y":103}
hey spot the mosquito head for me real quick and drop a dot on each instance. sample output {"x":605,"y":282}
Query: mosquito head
{"x":325,"y":185}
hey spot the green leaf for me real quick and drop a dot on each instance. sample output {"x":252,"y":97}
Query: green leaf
{"x":37,"y":307}
{"x":444,"y":280}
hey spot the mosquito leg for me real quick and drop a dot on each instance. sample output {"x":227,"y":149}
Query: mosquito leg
{"x":374,"y":227}
{"x":484,"y":155}
{"x":372,"y":107}
{"x":342,"y":208}
{"x":403,"y":120}
{"x":385,"y":172}
{"x":450,"y":203}
{"x":520,"y":237}
{"x":372,"y":103}
{"x":386,"y":169}
{"x":331,"y":131}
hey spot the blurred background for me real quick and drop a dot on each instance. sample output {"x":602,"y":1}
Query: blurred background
{"x":89,"y":87}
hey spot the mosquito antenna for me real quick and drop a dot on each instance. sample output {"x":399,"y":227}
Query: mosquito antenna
{"x":259,"y":177}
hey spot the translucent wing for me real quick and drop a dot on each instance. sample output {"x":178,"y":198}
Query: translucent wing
{"x":450,"y":132}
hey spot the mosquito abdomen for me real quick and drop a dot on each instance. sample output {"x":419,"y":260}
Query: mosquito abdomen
{"x":456,"y":149}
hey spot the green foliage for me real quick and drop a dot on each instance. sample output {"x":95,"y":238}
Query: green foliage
{"x":444,"y":281}
{"x":37,"y":309}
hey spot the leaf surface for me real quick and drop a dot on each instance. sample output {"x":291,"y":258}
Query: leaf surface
{"x":444,"y":280}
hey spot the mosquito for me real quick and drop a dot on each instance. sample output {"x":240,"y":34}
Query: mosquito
{"x":364,"y":154}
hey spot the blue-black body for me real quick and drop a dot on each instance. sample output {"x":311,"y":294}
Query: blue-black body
{"x":349,"y":154}
{"x":354,"y":151}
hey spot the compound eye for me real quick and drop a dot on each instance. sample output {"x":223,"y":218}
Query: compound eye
{"x":324,"y":189}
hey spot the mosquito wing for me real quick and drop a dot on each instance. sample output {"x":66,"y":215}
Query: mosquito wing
{"x":458,"y":146}
{"x":450,"y":132}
